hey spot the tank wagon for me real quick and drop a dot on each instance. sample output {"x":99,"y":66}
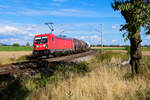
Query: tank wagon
{"x":49,"y":44}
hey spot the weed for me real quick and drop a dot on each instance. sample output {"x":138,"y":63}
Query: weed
{"x":82,"y":81}
{"x":107,"y":56}
{"x":101,"y":83}
{"x":0,"y":62}
{"x":143,"y":94}
{"x":80,"y":68}
{"x":24,"y":58}
{"x":69,"y":95}
{"x":12,"y":89}
{"x":12,"y":59}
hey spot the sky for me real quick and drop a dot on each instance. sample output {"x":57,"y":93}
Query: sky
{"x":20,"y":20}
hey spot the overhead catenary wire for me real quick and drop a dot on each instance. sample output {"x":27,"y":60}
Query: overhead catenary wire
{"x":50,"y":26}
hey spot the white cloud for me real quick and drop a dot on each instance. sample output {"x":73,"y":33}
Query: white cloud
{"x":17,"y":29}
{"x":20,"y":33}
{"x":13,"y":30}
{"x":70,"y":10}
{"x":148,"y":37}
{"x":26,"y":32}
{"x":114,"y":41}
{"x":8,"y":29}
{"x":31,"y":28}
{"x":93,"y":39}
{"x":32,"y":35}
{"x":12,"y":40}
{"x":114,"y":27}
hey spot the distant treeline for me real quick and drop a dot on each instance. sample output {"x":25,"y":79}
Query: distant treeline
{"x":15,"y":44}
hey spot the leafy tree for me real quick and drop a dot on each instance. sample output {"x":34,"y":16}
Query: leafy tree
{"x":16,"y":44}
{"x":28,"y":44}
{"x":136,"y":14}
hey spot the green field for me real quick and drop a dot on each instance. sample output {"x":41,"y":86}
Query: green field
{"x":146,"y":48}
{"x":119,"y":48}
{"x":23,"y":48}
{"x":15,"y":48}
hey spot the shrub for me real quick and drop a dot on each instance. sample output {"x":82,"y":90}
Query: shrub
{"x":13,"y":90}
{"x":16,"y":44}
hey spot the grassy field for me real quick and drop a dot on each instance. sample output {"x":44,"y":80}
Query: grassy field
{"x":119,"y":48}
{"x":12,"y":54}
{"x":21,"y":48}
{"x":100,"y":78}
{"x":103,"y":81}
{"x":7,"y":57}
{"x":110,"y":48}
{"x":146,"y":48}
{"x":15,"y":48}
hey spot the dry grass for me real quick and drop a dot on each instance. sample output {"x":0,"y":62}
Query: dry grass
{"x":105,"y":47}
{"x":144,"y":53}
{"x":102,"y":83}
{"x":8,"y":57}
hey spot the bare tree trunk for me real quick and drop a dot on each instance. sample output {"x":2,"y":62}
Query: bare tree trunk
{"x":135,"y":52}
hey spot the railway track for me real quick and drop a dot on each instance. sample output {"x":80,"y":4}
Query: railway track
{"x":33,"y":66}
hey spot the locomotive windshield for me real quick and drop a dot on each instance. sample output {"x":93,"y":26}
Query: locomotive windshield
{"x":41,"y":40}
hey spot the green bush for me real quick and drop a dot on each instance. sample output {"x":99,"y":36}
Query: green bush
{"x":13,"y":90}
{"x":16,"y":44}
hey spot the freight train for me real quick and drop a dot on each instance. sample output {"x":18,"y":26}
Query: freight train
{"x":50,"y":44}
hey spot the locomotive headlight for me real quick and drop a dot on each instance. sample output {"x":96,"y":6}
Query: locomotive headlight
{"x":46,"y":45}
{"x":36,"y":46}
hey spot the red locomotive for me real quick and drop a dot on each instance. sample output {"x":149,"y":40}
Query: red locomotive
{"x":49,"y":44}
